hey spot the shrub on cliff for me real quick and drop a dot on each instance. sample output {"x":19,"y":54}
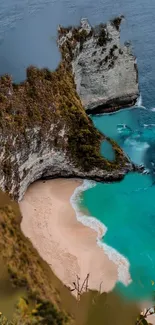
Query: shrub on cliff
{"x":102,"y":36}
{"x":117,"y":21}
{"x":26,"y":270}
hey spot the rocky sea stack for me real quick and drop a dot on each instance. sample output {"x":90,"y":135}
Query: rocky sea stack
{"x":105,"y":72}
{"x":45,"y":131}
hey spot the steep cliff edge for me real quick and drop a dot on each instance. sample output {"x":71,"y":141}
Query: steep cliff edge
{"x":45,"y":131}
{"x":105,"y":72}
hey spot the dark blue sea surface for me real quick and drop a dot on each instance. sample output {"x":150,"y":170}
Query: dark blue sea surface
{"x":28,"y":32}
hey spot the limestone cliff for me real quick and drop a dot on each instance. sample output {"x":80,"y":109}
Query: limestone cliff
{"x":45,"y":131}
{"x":105,"y":72}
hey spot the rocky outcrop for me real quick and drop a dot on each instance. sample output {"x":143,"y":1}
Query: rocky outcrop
{"x":45,"y":132}
{"x":105,"y":72}
{"x":44,"y":129}
{"x":31,"y":160}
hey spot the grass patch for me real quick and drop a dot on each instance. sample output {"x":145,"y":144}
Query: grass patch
{"x":47,"y":98}
{"x":26,"y":270}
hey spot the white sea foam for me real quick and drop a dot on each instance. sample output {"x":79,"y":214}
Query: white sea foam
{"x":149,"y":125}
{"x":89,"y":221}
{"x":139,"y":101}
{"x":153,"y":109}
{"x":139,"y":146}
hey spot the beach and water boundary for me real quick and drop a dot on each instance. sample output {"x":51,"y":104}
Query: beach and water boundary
{"x":90,"y":221}
{"x":70,"y":245}
{"x":122,"y":263}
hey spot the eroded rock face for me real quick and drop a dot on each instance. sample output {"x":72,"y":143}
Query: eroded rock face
{"x":105,"y":72}
{"x":33,"y":156}
{"x":44,"y":129}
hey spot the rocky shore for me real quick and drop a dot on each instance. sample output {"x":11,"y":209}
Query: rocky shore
{"x":45,"y":132}
{"x":44,"y":129}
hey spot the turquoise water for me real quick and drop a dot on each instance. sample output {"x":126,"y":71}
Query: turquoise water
{"x":127,"y":208}
{"x":107,"y":150}
{"x":28,"y":36}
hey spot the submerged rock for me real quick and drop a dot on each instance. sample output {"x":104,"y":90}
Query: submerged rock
{"x":105,"y":72}
{"x":44,"y":129}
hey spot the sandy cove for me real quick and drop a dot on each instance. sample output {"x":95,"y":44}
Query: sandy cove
{"x":68,"y":246}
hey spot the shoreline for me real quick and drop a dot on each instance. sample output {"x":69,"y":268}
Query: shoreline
{"x":138,"y":104}
{"x":100,"y":229}
{"x":67,"y":245}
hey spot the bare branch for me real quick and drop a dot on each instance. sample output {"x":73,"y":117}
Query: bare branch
{"x":100,"y":287}
{"x":76,"y":286}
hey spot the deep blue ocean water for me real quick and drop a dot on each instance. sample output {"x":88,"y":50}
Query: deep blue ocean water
{"x":28,"y":36}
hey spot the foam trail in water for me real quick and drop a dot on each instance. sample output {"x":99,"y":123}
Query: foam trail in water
{"x":89,"y":221}
{"x":139,"y":102}
{"x":139,"y":146}
{"x":149,"y":125}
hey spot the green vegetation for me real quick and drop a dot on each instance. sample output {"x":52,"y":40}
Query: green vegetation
{"x":93,"y":308}
{"x":43,"y":313}
{"x":26,"y":270}
{"x":50,"y":97}
{"x":69,"y":45}
{"x":43,"y":305}
{"x":47,"y":98}
{"x":117,"y":21}
{"x":102,"y":35}
{"x":111,"y":57}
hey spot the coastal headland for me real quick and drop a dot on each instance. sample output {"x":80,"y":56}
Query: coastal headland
{"x":46,"y":132}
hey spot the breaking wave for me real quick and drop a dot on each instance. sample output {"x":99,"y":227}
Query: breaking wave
{"x":139,"y":101}
{"x":89,"y":221}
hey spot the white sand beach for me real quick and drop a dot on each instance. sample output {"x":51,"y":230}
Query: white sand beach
{"x":68,"y":246}
{"x":151,"y":319}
